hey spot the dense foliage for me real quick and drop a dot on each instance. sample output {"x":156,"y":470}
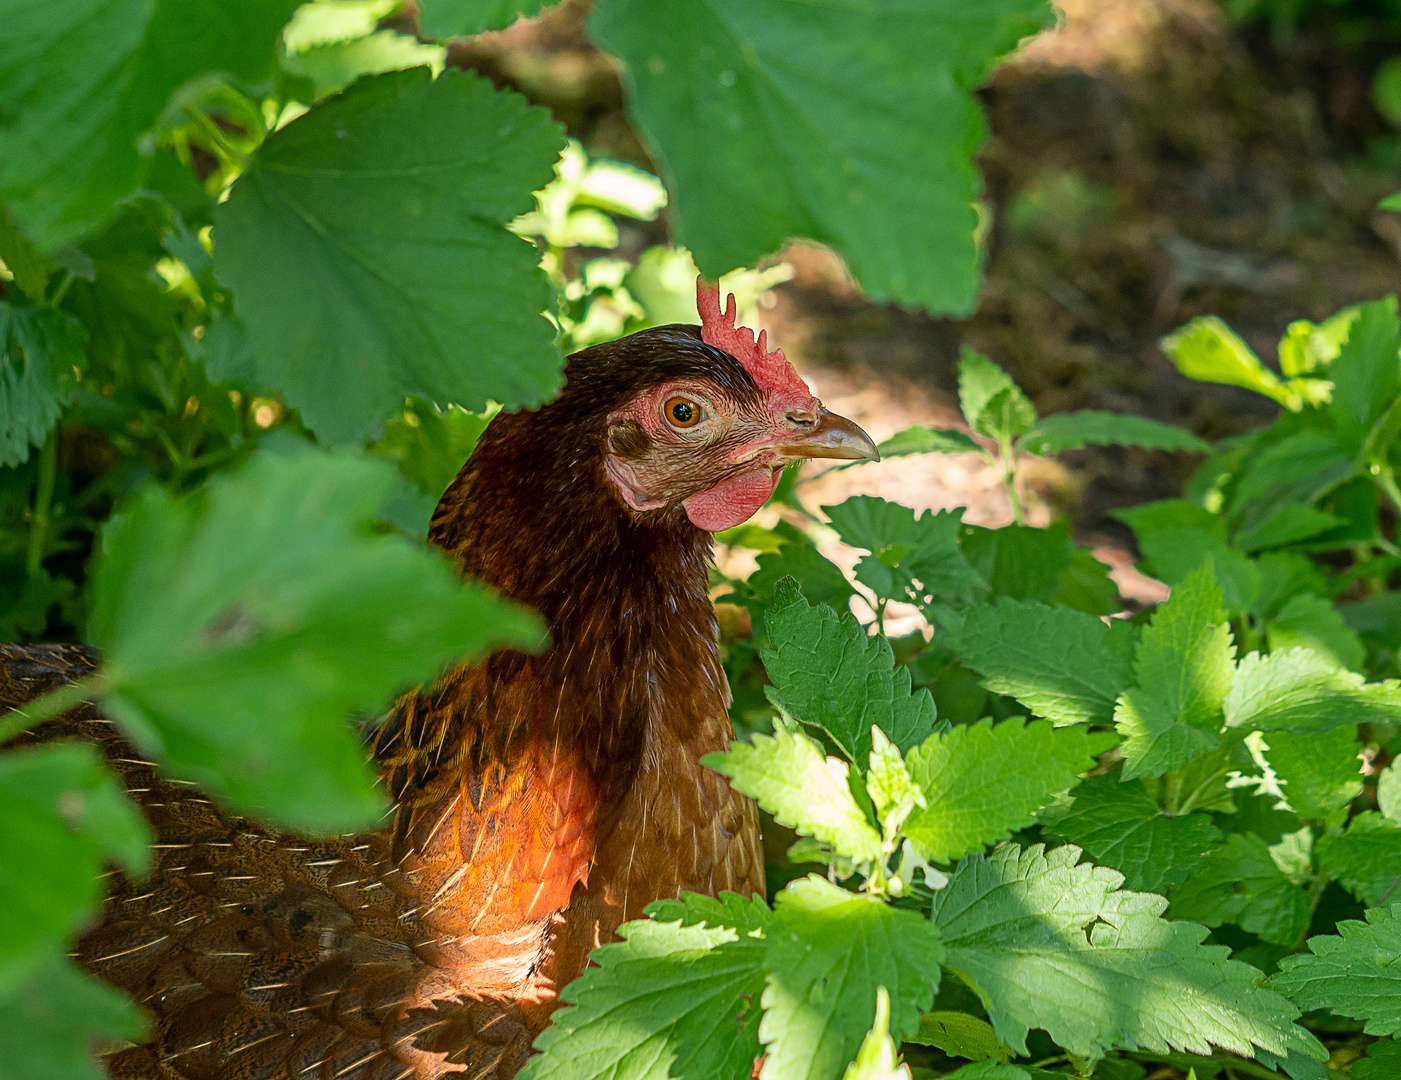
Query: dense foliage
{"x":265,"y":273}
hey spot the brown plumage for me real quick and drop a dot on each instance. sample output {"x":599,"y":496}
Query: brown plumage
{"x":540,"y":800}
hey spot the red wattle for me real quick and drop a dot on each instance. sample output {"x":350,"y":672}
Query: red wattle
{"x":731,"y":502}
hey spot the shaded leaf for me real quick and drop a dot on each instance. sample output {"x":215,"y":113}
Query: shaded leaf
{"x":465,"y":18}
{"x":39,"y":350}
{"x":1020,"y":561}
{"x":1366,"y":370}
{"x":928,"y":440}
{"x":1353,"y":973}
{"x":1071,"y":431}
{"x":1366,"y":859}
{"x":1240,"y":883}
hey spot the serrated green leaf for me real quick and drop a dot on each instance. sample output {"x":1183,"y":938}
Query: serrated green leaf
{"x":980,"y":782}
{"x":63,"y":815}
{"x":1299,"y":468}
{"x":1320,"y":774}
{"x":1383,"y":1060}
{"x":821,"y":580}
{"x":39,"y":350}
{"x":1119,"y":826}
{"x":928,"y":440}
{"x":828,"y":952}
{"x":465,"y":18}
{"x":1183,"y":666}
{"x":1071,"y":431}
{"x":673,"y":998}
{"x":1051,"y":944}
{"x":789,"y":776}
{"x":828,"y":672}
{"x":1354,"y":973}
{"x":1287,"y":525}
{"x":1170,"y":514}
{"x":1366,"y":859}
{"x":1064,"y":665}
{"x":759,"y":144}
{"x":83,"y":85}
{"x":1087,"y":585}
{"x":334,"y":66}
{"x":1366,"y":370}
{"x":1311,"y":622}
{"x":1240,"y":883}
{"x":914,"y":559}
{"x":960,"y":1035}
{"x":1020,"y":561}
{"x":1171,"y":554}
{"x":244,"y":625}
{"x":1208,"y":350}
{"x":1298,"y":690}
{"x":363,"y":298}
{"x":50,"y":1022}
{"x":992,"y":403}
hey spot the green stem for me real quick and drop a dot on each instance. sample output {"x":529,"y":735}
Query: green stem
{"x":218,"y":142}
{"x":1008,"y":457}
{"x":62,"y":290}
{"x":43,"y":503}
{"x":1386,"y":480}
{"x":50,"y":705}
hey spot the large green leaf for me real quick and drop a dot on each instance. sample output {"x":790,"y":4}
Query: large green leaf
{"x":367,"y":251}
{"x":828,"y":952}
{"x":62,"y":816}
{"x":1240,"y":883}
{"x":1021,"y":561}
{"x":852,"y":124}
{"x":676,"y":997}
{"x":991,"y":402}
{"x":463,"y":18}
{"x":1118,"y":825}
{"x":1301,"y":691}
{"x":1366,"y":859}
{"x":980,"y":782}
{"x":1184,"y":666}
{"x":789,"y":776}
{"x":39,"y":350}
{"x":928,"y":440}
{"x":83,"y":84}
{"x":827,"y":671}
{"x":242,"y":630}
{"x":1070,"y":431}
{"x":1062,"y":664}
{"x":1354,"y":973}
{"x":1051,"y":944}
{"x":1366,"y":370}
{"x":50,"y":1022}
{"x":1319,"y":774}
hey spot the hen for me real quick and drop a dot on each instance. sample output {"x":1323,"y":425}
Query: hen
{"x":540,"y":801}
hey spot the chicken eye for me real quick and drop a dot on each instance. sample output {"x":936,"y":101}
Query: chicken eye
{"x":683,"y":412}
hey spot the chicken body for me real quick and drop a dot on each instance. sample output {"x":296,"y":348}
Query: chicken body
{"x":540,"y":800}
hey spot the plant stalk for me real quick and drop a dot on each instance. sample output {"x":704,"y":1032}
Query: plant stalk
{"x":43,"y":504}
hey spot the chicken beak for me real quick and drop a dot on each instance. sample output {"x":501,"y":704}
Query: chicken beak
{"x":832,"y":436}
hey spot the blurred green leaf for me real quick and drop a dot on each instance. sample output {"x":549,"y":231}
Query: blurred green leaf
{"x":39,"y":351}
{"x":464,"y":18}
{"x":62,"y":816}
{"x":1383,"y":1061}
{"x":430,"y":444}
{"x":1366,"y":370}
{"x":334,"y":66}
{"x":50,"y":1021}
{"x":1208,"y":350}
{"x":1118,"y":825}
{"x":759,"y":144}
{"x":928,"y":440}
{"x":84,"y":84}
{"x":1366,"y":859}
{"x":243,"y":628}
{"x":1170,"y":555}
{"x":992,"y":403}
{"x":29,"y":266}
{"x":353,"y":298}
{"x":1183,"y":666}
{"x":828,"y":952}
{"x":1071,"y":431}
{"x":1064,"y":665}
{"x":1287,"y":525}
{"x":1088,"y":585}
{"x":1311,"y":622}
{"x":981,"y":782}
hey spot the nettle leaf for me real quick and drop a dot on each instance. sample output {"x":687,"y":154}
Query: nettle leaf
{"x":960,"y":1035}
{"x":1311,"y":622}
{"x":367,"y":249}
{"x":1152,"y":517}
{"x":992,"y":403}
{"x":1354,"y":973}
{"x":674,"y":998}
{"x":1051,"y":944}
{"x":760,"y":144}
{"x":1297,"y":469}
{"x":1087,"y":585}
{"x":1366,"y":370}
{"x":83,"y":86}
{"x":50,"y":1022}
{"x":1383,"y":1060}
{"x":928,"y":440}
{"x":1071,"y":431}
{"x":1020,"y":561}
{"x":1119,"y":826}
{"x":39,"y":350}
{"x":1241,"y":883}
{"x":828,"y":672}
{"x":1183,"y":666}
{"x":63,"y":815}
{"x":1208,"y":350}
{"x":1171,"y":554}
{"x":791,"y":777}
{"x":466,"y":18}
{"x":828,"y":952}
{"x":1062,"y":664}
{"x":1287,"y":525}
{"x":1319,"y":774}
{"x":912,"y":558}
{"x":1301,"y":691}
{"x":981,"y":782}
{"x":1366,"y":859}
{"x":242,"y":626}
{"x":820,"y":579}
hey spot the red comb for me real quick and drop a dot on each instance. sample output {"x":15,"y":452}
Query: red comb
{"x":771,"y":370}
